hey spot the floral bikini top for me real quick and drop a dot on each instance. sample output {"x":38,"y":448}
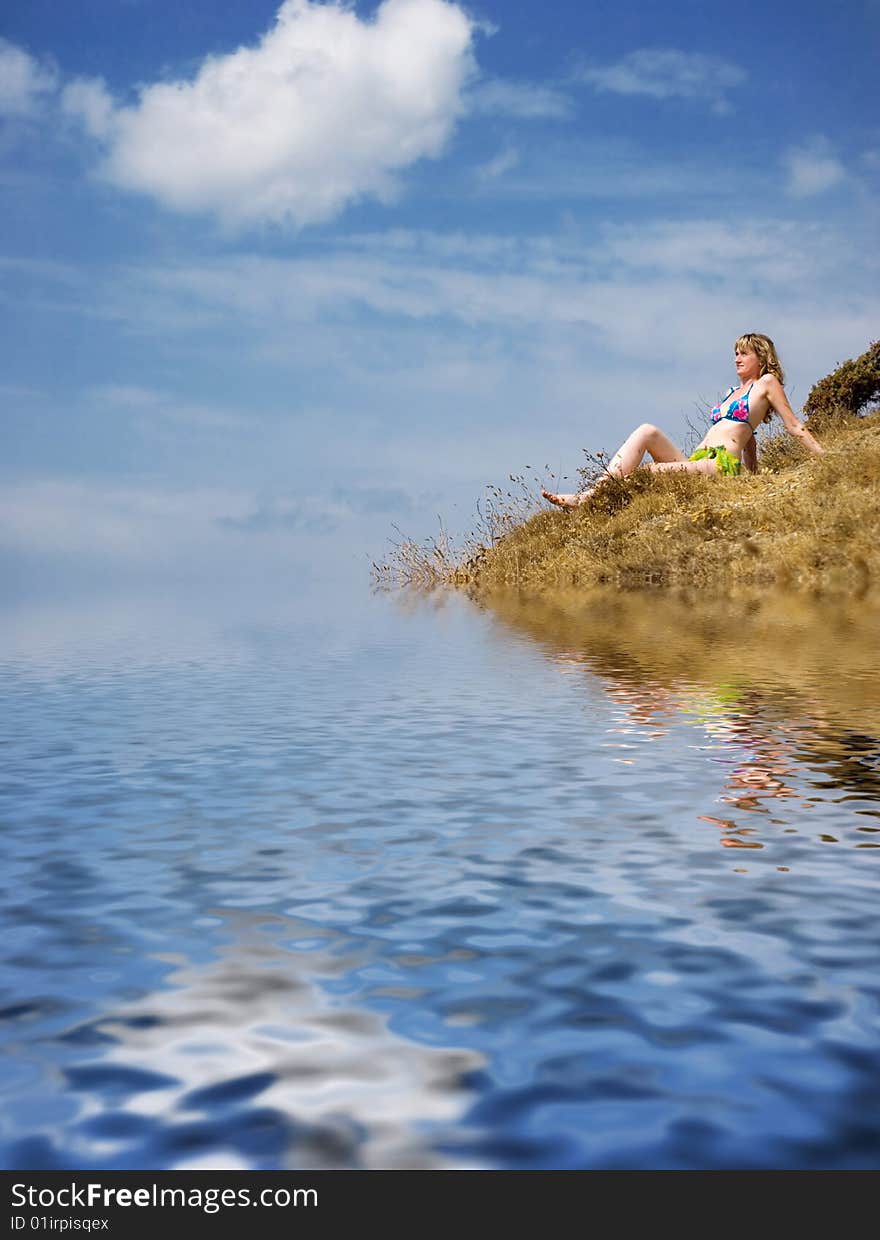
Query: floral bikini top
{"x":737,"y":410}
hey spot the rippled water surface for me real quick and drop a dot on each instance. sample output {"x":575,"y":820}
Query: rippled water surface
{"x":358,"y":884}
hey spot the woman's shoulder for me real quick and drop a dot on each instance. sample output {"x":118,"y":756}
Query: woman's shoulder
{"x":768,"y":387}
{"x":767,"y":383}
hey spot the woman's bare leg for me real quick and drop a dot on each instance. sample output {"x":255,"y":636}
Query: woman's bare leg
{"x":707,"y":467}
{"x":628,"y":457}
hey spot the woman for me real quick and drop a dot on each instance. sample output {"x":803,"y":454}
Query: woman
{"x":730,"y":438}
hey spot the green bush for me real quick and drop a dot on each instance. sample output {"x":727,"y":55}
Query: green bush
{"x":848,"y":390}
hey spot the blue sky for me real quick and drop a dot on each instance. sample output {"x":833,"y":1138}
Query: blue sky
{"x":276,"y":277}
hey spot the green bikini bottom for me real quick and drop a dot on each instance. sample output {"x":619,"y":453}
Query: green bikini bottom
{"x":725,"y":462}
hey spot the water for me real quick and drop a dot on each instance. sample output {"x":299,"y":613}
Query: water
{"x":356,"y":883}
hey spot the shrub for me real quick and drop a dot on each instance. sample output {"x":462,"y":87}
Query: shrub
{"x":848,"y":390}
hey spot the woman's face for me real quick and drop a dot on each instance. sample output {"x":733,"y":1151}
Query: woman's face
{"x":748,"y":365}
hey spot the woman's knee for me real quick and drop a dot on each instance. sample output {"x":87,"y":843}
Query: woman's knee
{"x":647,"y":430}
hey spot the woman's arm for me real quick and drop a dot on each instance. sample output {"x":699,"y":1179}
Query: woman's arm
{"x":775,"y":393}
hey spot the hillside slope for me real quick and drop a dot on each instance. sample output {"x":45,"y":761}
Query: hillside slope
{"x":801,"y":520}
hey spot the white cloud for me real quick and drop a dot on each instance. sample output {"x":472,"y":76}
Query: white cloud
{"x":88,"y":101}
{"x":435,"y":330}
{"x":714,"y":250}
{"x":667,"y":73}
{"x":142,"y":526}
{"x":24,"y":82}
{"x":14,"y":392}
{"x":498,"y":165}
{"x":610,"y":168}
{"x":301,"y":309}
{"x":321,"y":513}
{"x":495,"y":279}
{"x":289,"y":512}
{"x":524,"y":100}
{"x":326,"y":108}
{"x":155,"y":408}
{"x":812,"y":169}
{"x":135,"y":524}
{"x":113,"y":527}
{"x":668,"y":294}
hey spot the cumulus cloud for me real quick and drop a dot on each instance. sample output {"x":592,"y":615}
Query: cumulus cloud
{"x":25,"y":84}
{"x":326,"y":108}
{"x":667,"y":73}
{"x":812,"y":169}
{"x":88,"y":101}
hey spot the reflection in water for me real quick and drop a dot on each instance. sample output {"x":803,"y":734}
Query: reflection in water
{"x":391,"y":891}
{"x":243,"y":1060}
{"x":772,"y":684}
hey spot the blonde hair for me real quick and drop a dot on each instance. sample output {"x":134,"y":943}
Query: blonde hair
{"x":765,"y":351}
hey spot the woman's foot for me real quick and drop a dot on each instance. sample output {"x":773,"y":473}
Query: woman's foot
{"x":566,"y":501}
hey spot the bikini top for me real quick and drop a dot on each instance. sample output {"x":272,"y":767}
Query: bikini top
{"x":737,"y":410}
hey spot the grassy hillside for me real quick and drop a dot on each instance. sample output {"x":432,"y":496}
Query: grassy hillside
{"x":802,"y":520}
